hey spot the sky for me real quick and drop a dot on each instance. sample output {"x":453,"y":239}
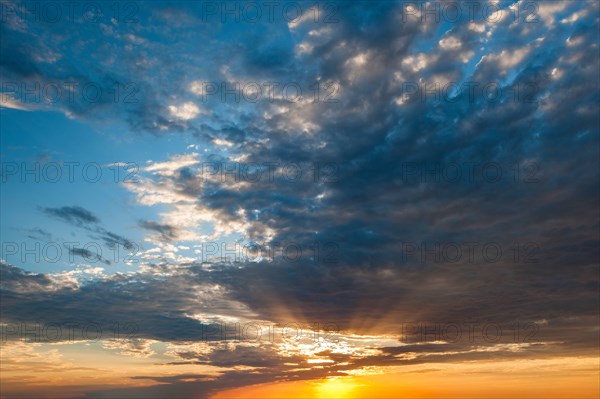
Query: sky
{"x":273,"y":199}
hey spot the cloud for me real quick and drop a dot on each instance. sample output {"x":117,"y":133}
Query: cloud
{"x":7,"y":101}
{"x":185,"y":111}
{"x":88,"y":255}
{"x":85,"y":219}
{"x":168,"y":168}
{"x":397,"y":174}
{"x":72,"y":214}
{"x":167,"y":233}
{"x":38,"y":234}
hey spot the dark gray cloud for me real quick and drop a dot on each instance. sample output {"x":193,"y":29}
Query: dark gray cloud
{"x":111,"y":239}
{"x":85,"y":219}
{"x":75,"y":215}
{"x":38,"y":234}
{"x":166,"y":232}
{"x":88,"y":255}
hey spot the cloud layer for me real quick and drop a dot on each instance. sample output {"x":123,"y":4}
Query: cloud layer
{"x":431,"y":172}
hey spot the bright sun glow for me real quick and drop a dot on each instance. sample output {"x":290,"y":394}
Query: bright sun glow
{"x":335,"y":388}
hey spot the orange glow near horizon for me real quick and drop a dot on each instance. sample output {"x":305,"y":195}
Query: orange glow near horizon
{"x":535,"y":379}
{"x":64,"y":376}
{"x":336,"y":388}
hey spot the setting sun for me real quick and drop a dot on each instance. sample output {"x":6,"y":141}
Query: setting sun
{"x":335,"y":388}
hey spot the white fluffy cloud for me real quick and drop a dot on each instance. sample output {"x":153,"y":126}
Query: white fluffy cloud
{"x":185,"y":111}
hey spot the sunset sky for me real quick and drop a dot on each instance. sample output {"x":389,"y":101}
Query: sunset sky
{"x":273,"y":199}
